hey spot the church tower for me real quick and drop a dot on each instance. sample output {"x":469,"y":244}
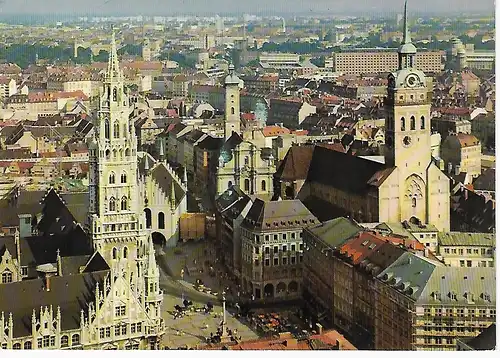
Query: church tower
{"x":146,"y":50}
{"x":408,"y":132}
{"x":232,"y":114}
{"x":116,"y":223}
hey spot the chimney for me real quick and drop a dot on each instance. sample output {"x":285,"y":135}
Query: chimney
{"x":47,"y":282}
{"x":457,"y":169}
{"x":450,"y":167}
{"x":319,"y":328}
{"x":426,"y":252}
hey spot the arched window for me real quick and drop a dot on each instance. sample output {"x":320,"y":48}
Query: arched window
{"x":112,"y":178}
{"x":115,"y":154}
{"x":64,"y":341}
{"x":414,"y":202}
{"x":115,"y":94}
{"x":108,"y":154}
{"x":148,"y":218}
{"x":422,"y":122}
{"x":125,"y":252}
{"x":125,"y":129}
{"x":127,"y":152}
{"x":75,"y":340}
{"x":263,"y":185}
{"x":106,"y":128}
{"x":161,"y":220}
{"x":232,"y":110}
{"x":115,"y":253}
{"x":413,"y":123}
{"x":7,"y":277}
{"x":112,"y":204}
{"x":247,"y":184}
{"x":403,"y":123}
{"x":27,"y":345}
{"x":16,"y":346}
{"x":121,"y":153}
{"x":123,"y":179}
{"x":124,"y":204}
{"x":116,"y":130}
{"x":229,"y":184}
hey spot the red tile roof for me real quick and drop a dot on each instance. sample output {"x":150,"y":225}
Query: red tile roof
{"x":467,"y":140}
{"x":270,"y":131}
{"x":361,"y":246}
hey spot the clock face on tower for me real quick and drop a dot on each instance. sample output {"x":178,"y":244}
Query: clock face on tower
{"x":407,"y":141}
{"x":412,"y":80}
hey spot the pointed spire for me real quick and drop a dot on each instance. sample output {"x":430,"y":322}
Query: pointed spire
{"x":113,"y":64}
{"x":406,"y":30}
{"x":172,"y":196}
{"x":162,"y":153}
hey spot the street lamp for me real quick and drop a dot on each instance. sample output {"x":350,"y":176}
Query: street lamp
{"x":182,"y":287}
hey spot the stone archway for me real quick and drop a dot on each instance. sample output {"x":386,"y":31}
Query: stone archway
{"x":268,"y":290}
{"x":293,"y":287}
{"x":158,"y":238}
{"x":281,"y":288}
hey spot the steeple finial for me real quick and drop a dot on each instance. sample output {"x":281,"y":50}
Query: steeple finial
{"x":162,"y":153}
{"x":113,"y":64}
{"x":406,"y":30}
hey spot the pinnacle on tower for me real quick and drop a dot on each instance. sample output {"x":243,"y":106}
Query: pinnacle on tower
{"x":162,"y":153}
{"x":406,"y":31}
{"x":113,"y":64}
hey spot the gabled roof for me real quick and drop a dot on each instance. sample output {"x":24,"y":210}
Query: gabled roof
{"x":485,"y":341}
{"x":461,"y":281}
{"x":335,"y":232}
{"x":409,"y":274}
{"x":162,"y":176}
{"x":277,"y":215}
{"x":232,"y":202}
{"x":295,"y":165}
{"x":485,"y":181}
{"x":329,"y":167}
{"x":71,"y":293}
{"x":466,"y":239}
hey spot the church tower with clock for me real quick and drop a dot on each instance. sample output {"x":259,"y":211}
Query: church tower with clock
{"x":408,"y":144}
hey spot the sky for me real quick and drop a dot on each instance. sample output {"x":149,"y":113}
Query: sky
{"x":166,"y":7}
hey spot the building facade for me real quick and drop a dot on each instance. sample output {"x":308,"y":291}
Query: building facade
{"x":272,"y":249}
{"x":378,"y":61}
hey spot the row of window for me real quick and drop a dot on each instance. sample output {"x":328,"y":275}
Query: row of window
{"x":120,"y":330}
{"x":116,"y":154}
{"x":47,"y":341}
{"x":263,"y":185}
{"x":123,"y":178}
{"x":275,"y":237}
{"x":460,"y":252}
{"x":116,"y":129}
{"x":284,"y":261}
{"x":113,"y":202}
{"x":413,"y":123}
{"x":161,"y":219}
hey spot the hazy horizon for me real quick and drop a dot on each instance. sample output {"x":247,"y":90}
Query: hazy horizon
{"x":212,"y":7}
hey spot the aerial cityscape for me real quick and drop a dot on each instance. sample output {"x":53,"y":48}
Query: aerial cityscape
{"x":320,"y":177}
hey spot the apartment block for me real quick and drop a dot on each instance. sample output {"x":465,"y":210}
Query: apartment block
{"x":382,"y":61}
{"x":272,"y":248}
{"x":466,"y":249}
